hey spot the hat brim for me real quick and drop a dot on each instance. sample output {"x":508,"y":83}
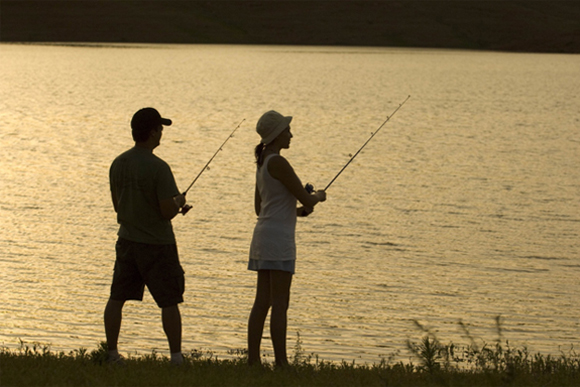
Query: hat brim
{"x":279,"y":129}
{"x":166,"y":122}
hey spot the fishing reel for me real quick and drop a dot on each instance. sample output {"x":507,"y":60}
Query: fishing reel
{"x":310,"y":189}
{"x":186,"y":207}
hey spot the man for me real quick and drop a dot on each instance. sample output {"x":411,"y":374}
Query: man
{"x":145,"y":198}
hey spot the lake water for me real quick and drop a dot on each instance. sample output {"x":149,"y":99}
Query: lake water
{"x":464,"y":207}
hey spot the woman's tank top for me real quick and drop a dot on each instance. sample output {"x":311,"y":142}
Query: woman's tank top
{"x":273,"y":238}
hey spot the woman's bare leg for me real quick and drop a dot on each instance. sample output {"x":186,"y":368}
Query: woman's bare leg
{"x":258,"y":316}
{"x":280,"y":282}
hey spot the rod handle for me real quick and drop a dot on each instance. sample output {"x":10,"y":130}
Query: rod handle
{"x":185,"y":209}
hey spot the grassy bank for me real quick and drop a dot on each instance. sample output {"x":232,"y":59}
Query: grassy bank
{"x":434,"y":364}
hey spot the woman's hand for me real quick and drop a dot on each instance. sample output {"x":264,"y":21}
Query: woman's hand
{"x":321,"y":195}
{"x":304,"y":211}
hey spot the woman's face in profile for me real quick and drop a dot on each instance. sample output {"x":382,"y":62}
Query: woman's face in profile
{"x":285,"y":137}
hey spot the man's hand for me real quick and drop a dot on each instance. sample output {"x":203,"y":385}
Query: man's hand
{"x":185,"y":209}
{"x":179,"y":200}
{"x":304,"y":211}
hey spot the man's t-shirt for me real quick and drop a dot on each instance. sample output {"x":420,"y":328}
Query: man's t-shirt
{"x":139,"y":180}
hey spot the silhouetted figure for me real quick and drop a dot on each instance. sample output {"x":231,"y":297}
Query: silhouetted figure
{"x":273,"y":248}
{"x":145,"y":198}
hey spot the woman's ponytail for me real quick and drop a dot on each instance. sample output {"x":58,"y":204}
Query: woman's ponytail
{"x":259,"y":153}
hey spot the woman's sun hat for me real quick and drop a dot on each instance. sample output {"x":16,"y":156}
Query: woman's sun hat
{"x":271,"y":124}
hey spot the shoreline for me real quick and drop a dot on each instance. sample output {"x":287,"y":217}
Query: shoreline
{"x":535,"y":27}
{"x":137,"y":46}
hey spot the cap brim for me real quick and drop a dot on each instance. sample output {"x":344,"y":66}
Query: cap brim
{"x":165,"y":121}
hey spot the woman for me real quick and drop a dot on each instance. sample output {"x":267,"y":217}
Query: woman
{"x":273,"y":248}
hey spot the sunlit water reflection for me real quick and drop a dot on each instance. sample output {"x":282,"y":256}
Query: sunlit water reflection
{"x":464,"y":207}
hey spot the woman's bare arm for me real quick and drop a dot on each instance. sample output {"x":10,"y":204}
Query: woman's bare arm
{"x":280,"y":169}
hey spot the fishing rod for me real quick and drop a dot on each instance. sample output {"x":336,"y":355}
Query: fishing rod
{"x":186,"y":208}
{"x":310,"y":188}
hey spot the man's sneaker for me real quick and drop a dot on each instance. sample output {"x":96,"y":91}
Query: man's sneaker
{"x":116,"y":360}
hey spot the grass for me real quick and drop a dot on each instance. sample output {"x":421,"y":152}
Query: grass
{"x":496,"y":364}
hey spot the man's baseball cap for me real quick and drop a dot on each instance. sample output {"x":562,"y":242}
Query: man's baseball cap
{"x":147,"y":119}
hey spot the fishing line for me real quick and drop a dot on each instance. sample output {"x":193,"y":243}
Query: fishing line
{"x":310,"y":188}
{"x":187,"y":208}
